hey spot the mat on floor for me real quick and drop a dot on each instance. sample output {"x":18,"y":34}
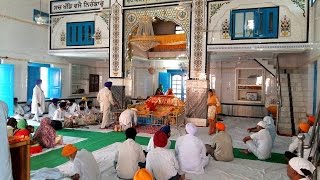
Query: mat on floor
{"x":149,"y":129}
{"x":98,"y":140}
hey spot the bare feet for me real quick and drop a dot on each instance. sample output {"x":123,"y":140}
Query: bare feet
{"x":245,"y":151}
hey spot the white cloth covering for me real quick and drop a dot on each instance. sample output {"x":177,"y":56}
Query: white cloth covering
{"x":151,"y":145}
{"x":295,"y":144}
{"x":86,"y":166}
{"x":191,"y":128}
{"x":128,"y":156}
{"x":105,"y":99}
{"x":270,"y":127}
{"x":162,"y":163}
{"x":191,"y":153}
{"x":300,"y":163}
{"x":5,"y":158}
{"x":127,"y":117}
{"x":46,"y":173}
{"x":52,"y":109}
{"x":18,"y":110}
{"x":261,"y":144}
{"x":60,"y":114}
{"x":37,"y":97}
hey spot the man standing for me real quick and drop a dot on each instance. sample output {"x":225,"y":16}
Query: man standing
{"x":5,"y":158}
{"x":85,"y":166}
{"x":128,"y":118}
{"x":259,"y":143}
{"x":222,"y":149}
{"x":37,"y":106}
{"x":105,"y":99}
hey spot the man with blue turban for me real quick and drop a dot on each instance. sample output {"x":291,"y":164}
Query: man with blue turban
{"x":38,"y":104}
{"x":105,"y":99}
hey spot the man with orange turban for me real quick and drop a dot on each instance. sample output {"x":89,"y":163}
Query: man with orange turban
{"x":311,"y":120}
{"x":85,"y":166}
{"x":222,"y":149}
{"x":293,"y":147}
{"x":160,"y":161}
{"x":143,"y":174}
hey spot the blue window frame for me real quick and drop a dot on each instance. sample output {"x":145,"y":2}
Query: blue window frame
{"x":7,"y":85}
{"x":254,"y":23}
{"x":80,"y":33}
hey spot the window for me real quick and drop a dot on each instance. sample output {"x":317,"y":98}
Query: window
{"x":80,"y":33}
{"x":7,"y":85}
{"x":254,"y":23}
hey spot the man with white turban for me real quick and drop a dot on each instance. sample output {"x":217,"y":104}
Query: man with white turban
{"x":191,"y":152}
{"x":300,"y":168}
{"x":270,"y":127}
{"x":259,"y":143}
{"x":5,"y":158}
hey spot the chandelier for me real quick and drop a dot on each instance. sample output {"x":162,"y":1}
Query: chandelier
{"x":144,"y":38}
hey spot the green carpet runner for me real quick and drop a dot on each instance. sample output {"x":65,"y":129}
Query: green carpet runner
{"x":97,"y":140}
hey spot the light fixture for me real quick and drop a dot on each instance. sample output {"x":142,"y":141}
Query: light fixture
{"x":40,"y":19}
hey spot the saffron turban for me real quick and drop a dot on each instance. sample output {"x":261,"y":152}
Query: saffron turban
{"x":262,"y":124}
{"x":166,"y":129}
{"x":160,"y":139}
{"x":142,"y":174}
{"x":38,"y":81}
{"x":311,"y":119}
{"x":68,"y":150}
{"x":298,"y":164}
{"x":304,"y":127}
{"x":108,"y":84}
{"x":220,"y":126}
{"x":191,"y":129}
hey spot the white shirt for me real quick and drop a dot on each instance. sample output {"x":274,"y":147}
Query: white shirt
{"x":263,"y":142}
{"x":18,"y":110}
{"x":37,"y":97}
{"x":52,"y":110}
{"x":191,"y":153}
{"x":128,"y":156}
{"x":151,"y":145}
{"x":295,"y":144}
{"x":73,"y":109}
{"x":59,"y":115}
{"x":105,"y":99}
{"x":127,"y":116}
{"x":5,"y":159}
{"x":162,"y":163}
{"x":86,"y":166}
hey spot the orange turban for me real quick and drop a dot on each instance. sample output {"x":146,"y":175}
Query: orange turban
{"x":304,"y":127}
{"x":68,"y":150}
{"x":220,"y":126}
{"x":142,"y":174}
{"x":311,"y":119}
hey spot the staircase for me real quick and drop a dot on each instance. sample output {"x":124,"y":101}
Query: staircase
{"x":267,"y":64}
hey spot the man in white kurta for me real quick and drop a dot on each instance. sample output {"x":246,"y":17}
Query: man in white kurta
{"x":38,"y":101}
{"x":105,"y":99}
{"x":128,"y":118}
{"x":259,"y":143}
{"x":191,"y":152}
{"x":18,"y":110}
{"x":5,"y":158}
{"x":53,"y":106}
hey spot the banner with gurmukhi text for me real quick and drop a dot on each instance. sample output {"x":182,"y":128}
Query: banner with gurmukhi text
{"x":81,"y":5}
{"x":143,"y":2}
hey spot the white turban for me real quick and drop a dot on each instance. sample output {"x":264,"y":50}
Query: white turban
{"x":191,"y":129}
{"x":262,"y":124}
{"x":300,"y":163}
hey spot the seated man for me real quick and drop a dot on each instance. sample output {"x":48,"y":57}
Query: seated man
{"x":72,"y":107}
{"x":61,"y":117}
{"x":87,"y":117}
{"x":161,"y":162}
{"x":191,"y":152}
{"x":270,"y":127}
{"x":128,"y":156}
{"x":259,"y":143}
{"x":18,"y":110}
{"x":222,"y":149}
{"x":293,"y":147}
{"x":128,"y":118}
{"x":143,"y":174}
{"x":167,"y":131}
{"x":53,"y":107}
{"x":85,"y":166}
{"x":300,"y":168}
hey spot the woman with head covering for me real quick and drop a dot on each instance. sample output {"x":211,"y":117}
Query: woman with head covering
{"x":162,"y":162}
{"x":105,"y":99}
{"x":214,"y":107}
{"x":191,"y":152}
{"x":38,"y":101}
{"x":259,"y":143}
{"x":11,"y":126}
{"x":23,"y":129}
{"x":221,"y":149}
{"x":300,"y":168}
{"x":46,"y":135}
{"x":167,"y":130}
